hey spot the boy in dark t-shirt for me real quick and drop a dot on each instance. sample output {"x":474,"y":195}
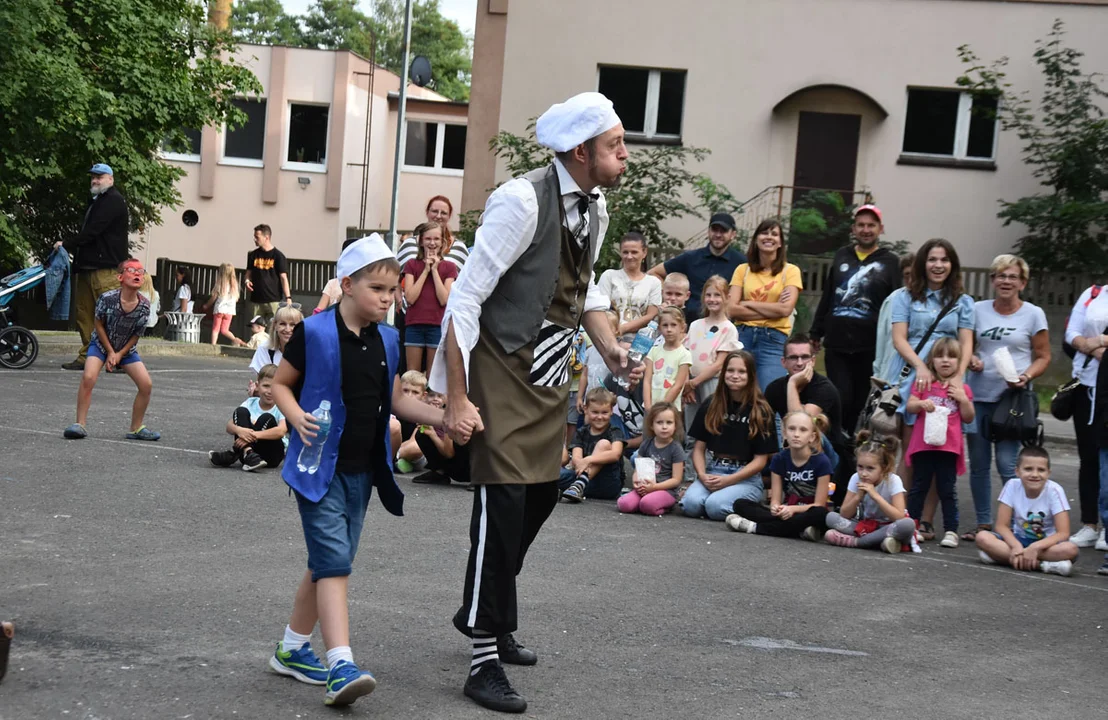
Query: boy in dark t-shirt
{"x":596,"y":453}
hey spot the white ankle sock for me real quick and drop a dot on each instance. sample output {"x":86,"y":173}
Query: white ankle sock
{"x":484,"y":650}
{"x":338,"y":654}
{"x":294,"y":640}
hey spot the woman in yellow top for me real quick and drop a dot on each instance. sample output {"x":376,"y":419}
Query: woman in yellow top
{"x":763,"y":295}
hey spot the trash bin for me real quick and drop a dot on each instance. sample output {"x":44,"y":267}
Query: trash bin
{"x":183,"y":327}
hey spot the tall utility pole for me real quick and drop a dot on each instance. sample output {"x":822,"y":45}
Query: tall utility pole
{"x":219,"y":13}
{"x":401,"y":127}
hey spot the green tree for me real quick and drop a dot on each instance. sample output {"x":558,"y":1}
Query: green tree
{"x":339,"y":25}
{"x":102,"y":81}
{"x":434,"y":36}
{"x":264,"y":22}
{"x":1065,"y":142}
{"x":655,"y":187}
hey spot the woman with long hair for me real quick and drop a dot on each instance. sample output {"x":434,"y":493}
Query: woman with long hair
{"x":934,"y":298}
{"x":763,"y":296}
{"x":634,"y":295}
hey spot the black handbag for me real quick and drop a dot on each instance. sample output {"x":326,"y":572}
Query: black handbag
{"x":1016,"y":417}
{"x":1062,"y":404}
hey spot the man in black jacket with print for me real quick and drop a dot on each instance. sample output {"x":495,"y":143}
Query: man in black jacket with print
{"x":100,"y":246}
{"x":862,"y":275}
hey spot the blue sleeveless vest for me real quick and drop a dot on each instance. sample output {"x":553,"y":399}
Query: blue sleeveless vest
{"x":323,"y":381}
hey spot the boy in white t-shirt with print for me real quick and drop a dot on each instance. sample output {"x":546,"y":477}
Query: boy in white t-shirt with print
{"x":259,"y":429}
{"x":1032,"y":520}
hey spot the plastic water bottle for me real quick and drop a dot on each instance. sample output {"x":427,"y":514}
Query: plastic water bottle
{"x":640,"y":346}
{"x":310,"y":455}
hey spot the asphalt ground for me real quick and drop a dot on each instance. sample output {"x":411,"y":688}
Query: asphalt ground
{"x":146,"y":584}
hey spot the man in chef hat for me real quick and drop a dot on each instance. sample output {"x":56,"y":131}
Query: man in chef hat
{"x":507,"y":334}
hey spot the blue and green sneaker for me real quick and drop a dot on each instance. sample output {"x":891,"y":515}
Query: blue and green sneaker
{"x":300,"y":663}
{"x":346,"y":683}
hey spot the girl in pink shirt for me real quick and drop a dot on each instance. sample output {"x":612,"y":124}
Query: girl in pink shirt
{"x":942,"y":461}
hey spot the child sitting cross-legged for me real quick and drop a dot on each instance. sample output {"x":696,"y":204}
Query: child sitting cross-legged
{"x":1032,"y":520}
{"x":662,"y":448}
{"x":801,"y":481}
{"x":596,"y":453}
{"x":445,"y":461}
{"x":258,"y":427}
{"x":409,"y":457}
{"x":879,"y":492}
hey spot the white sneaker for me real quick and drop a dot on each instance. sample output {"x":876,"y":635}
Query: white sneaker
{"x":950,"y":539}
{"x":985,"y":557}
{"x":811,"y":534}
{"x":890,"y":545}
{"x":1060,"y":567}
{"x":1101,"y":543}
{"x":1085,"y":537}
{"x":740,"y":524}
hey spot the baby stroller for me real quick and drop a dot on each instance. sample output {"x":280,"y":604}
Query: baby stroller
{"x":18,"y":345}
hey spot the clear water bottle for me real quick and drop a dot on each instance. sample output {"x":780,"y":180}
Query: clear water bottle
{"x":310,"y":455}
{"x":640,"y":346}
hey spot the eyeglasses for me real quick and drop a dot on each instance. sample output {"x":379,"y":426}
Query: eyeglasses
{"x":798,"y":358}
{"x":293,"y":305}
{"x":1008,"y":278}
{"x":134,"y":271}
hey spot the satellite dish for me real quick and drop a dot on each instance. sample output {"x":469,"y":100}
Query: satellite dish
{"x":420,"y":71}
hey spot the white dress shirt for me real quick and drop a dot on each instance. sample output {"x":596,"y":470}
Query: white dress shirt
{"x":507,"y":230}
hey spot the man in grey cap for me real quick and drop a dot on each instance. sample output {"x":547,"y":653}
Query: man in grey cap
{"x":100,"y":246}
{"x":508,"y":330}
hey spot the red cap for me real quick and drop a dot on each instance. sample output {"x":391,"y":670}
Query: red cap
{"x":869,"y":208}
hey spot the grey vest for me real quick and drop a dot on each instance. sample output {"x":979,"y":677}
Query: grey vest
{"x":515,"y":310}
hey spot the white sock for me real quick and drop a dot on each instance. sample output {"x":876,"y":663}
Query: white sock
{"x":484,"y":650}
{"x":294,"y":640}
{"x":338,"y":654}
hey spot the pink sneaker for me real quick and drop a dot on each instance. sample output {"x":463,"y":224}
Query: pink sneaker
{"x":834,"y":537}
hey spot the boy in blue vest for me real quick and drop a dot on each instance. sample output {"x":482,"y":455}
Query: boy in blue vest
{"x":347,"y":356}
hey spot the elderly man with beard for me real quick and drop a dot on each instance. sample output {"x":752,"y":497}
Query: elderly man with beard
{"x":100,"y":246}
{"x":508,"y":330}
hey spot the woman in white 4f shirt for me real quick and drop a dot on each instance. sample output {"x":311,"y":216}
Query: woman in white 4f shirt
{"x":1019,"y":327}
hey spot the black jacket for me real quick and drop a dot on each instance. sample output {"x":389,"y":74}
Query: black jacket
{"x":102,"y":242}
{"x":853,"y":292}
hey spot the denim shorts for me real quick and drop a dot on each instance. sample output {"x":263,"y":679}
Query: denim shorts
{"x":333,"y":526}
{"x":422,"y":335}
{"x":1025,"y":541}
{"x":94,"y":350}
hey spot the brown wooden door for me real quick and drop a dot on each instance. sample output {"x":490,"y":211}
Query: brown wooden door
{"x":826,"y":159}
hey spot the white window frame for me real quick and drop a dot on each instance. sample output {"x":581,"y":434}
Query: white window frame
{"x":653,"y":90}
{"x":317,"y":168}
{"x":440,"y":140}
{"x":182,"y":157}
{"x":961,"y":129}
{"x":241,"y":161}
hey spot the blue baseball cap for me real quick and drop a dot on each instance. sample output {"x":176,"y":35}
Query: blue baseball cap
{"x":101,"y":169}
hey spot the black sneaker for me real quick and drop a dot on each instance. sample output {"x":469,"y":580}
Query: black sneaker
{"x":222,"y":458}
{"x":252,"y":461}
{"x":431,"y":477}
{"x":514,"y":653}
{"x":73,"y":365}
{"x":489,"y":687}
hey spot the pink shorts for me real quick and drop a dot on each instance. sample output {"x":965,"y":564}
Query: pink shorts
{"x":221,"y":322}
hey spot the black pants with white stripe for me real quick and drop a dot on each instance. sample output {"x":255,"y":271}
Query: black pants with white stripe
{"x":506,"y":519}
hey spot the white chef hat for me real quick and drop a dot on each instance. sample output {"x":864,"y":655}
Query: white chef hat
{"x":566,"y":125}
{"x":362,"y":252}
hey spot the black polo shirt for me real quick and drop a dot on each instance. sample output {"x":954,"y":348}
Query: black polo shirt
{"x":365,"y":380}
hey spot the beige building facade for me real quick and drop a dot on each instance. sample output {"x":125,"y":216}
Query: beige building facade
{"x":297,"y":163}
{"x":849,"y":95}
